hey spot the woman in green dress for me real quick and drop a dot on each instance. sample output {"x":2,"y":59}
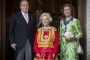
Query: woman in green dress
{"x":70,"y":33}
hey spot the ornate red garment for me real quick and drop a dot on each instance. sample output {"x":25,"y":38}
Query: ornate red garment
{"x":46,"y":43}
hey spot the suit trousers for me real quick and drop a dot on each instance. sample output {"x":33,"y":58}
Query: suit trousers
{"x":25,"y":53}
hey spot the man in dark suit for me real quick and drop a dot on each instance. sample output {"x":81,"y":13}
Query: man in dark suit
{"x":21,"y":32}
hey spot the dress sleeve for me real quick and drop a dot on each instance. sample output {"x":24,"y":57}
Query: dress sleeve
{"x":36,"y":49}
{"x":56,"y":42}
{"x":78,"y":29}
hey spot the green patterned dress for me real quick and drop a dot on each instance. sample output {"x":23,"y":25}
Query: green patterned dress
{"x":68,"y":48}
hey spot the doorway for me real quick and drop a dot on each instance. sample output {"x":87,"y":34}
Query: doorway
{"x":51,"y":6}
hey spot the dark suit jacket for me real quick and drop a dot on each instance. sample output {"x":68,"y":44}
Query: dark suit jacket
{"x":19,"y":30}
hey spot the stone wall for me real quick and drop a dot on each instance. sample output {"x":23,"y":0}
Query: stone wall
{"x":88,"y":28}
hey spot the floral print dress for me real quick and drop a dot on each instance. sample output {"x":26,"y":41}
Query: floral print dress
{"x":68,"y":48}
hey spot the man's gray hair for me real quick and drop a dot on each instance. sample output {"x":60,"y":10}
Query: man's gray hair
{"x":46,"y":14}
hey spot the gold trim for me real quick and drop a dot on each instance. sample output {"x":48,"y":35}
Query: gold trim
{"x":45,"y":59}
{"x":46,"y":42}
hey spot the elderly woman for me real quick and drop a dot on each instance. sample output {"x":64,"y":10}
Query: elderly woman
{"x":46,"y":40}
{"x":70,"y":33}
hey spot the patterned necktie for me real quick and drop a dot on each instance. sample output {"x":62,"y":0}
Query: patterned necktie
{"x":26,"y":17}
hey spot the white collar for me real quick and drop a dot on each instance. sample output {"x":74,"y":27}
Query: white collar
{"x":24,"y":13}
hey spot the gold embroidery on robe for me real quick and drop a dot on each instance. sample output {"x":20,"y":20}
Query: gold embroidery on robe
{"x":46,"y":42}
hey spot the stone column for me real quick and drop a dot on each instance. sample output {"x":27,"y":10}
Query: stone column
{"x":88,"y":28}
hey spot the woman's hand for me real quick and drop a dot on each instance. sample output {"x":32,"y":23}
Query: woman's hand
{"x":69,"y":35}
{"x":53,"y":55}
{"x":38,"y":55}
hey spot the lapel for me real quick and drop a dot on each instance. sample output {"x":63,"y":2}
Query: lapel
{"x":30,"y":23}
{"x":30,"y":18}
{"x":23,"y":19}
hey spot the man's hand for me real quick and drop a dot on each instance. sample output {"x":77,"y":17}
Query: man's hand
{"x":14,"y":46}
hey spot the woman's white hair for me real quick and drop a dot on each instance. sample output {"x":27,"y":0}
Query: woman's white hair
{"x":46,"y":14}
